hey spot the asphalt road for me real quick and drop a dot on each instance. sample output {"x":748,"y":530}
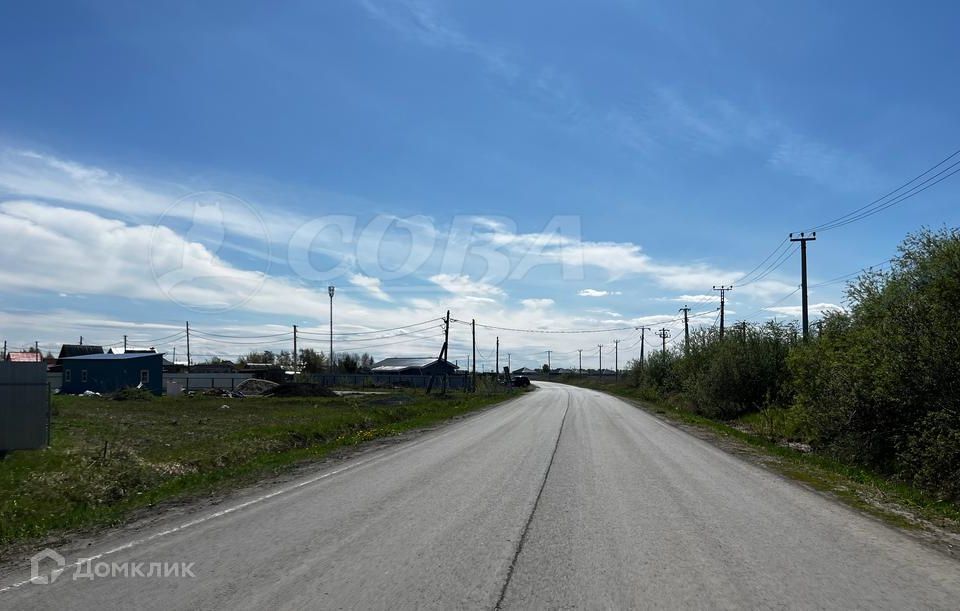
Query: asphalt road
{"x":564,"y":498}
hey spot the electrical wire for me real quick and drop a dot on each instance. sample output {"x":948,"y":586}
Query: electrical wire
{"x":783,"y":258}
{"x":878,"y":204}
{"x":201,"y":332}
{"x":418,"y":324}
{"x":743,"y":279}
{"x":463,"y":322}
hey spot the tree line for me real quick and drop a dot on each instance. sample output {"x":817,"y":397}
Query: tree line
{"x":310,"y":361}
{"x":877,"y":385}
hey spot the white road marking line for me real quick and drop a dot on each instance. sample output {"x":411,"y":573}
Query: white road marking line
{"x":191,"y":523}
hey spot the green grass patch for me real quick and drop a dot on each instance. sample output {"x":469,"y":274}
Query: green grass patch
{"x":109,"y":458}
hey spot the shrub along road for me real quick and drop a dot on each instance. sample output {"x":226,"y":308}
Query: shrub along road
{"x":564,"y":497}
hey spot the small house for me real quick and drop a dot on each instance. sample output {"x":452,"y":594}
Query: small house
{"x":425,"y":365}
{"x":72,"y":350}
{"x":107,"y":373}
{"x":24,"y":357}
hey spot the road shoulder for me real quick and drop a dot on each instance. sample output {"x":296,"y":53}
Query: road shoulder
{"x":937,"y":531}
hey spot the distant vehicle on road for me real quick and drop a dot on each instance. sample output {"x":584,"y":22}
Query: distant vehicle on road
{"x":520,"y":381}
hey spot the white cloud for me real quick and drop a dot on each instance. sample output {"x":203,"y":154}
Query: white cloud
{"x":814,"y":308}
{"x":536,"y":304}
{"x":461,"y":284}
{"x":596,"y":293}
{"x":371,"y":285}
{"x":79,"y":235}
{"x":423,"y":23}
{"x":695,"y":298}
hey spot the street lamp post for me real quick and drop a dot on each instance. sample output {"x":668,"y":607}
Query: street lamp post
{"x":330,"y":290}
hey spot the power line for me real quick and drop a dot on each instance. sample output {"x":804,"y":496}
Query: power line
{"x":743,"y":279}
{"x":776,"y":264}
{"x":418,"y":324}
{"x":879,"y":204}
{"x":198,"y":332}
{"x":547,"y":330}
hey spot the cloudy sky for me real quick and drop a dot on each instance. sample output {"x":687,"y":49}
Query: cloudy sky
{"x":539,"y":166}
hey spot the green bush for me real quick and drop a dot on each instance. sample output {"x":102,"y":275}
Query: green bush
{"x":879,"y":376}
{"x":931,"y":457}
{"x":877,"y":386}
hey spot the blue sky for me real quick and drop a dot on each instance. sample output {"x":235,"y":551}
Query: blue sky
{"x":616,"y":158}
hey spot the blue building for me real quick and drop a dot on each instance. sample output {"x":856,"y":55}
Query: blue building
{"x":107,"y":373}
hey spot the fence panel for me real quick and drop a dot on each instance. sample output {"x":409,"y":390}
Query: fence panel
{"x":24,"y":406}
{"x":201,"y":381}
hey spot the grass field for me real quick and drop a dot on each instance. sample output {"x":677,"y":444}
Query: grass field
{"x":108,"y":458}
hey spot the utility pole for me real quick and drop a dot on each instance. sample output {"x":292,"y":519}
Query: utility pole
{"x":723,"y":300}
{"x":4,"y":349}
{"x":643,"y":344}
{"x":473,"y":332}
{"x":124,"y":343}
{"x":600,"y":353}
{"x":188,"y":346}
{"x":295,"y":350}
{"x":686,"y":329}
{"x":446,"y":337}
{"x":81,"y":340}
{"x":664,"y":334}
{"x":549,"y":368}
{"x":743,"y":330}
{"x":330,"y":290}
{"x":497,"y":365}
{"x":508,"y":363}
{"x":580,"y":353}
{"x":803,"y":239}
{"x":616,"y":359}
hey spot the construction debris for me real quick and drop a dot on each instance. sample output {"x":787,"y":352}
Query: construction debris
{"x":254,"y":387}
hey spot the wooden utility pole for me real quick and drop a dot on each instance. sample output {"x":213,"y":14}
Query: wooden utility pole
{"x":664,"y":334}
{"x":497,"y":370}
{"x":803,"y":239}
{"x":686,"y":329}
{"x":295,"y":350}
{"x":330,"y":291}
{"x":580,"y":353}
{"x":643,"y":344}
{"x":188,"y":346}
{"x":124,"y":343}
{"x":446,"y":337}
{"x":600,"y":353}
{"x":723,"y":300}
{"x":549,"y":368}
{"x":616,"y":359}
{"x":473,"y":330}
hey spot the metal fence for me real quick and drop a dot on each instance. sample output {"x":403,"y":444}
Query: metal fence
{"x":373,"y":380}
{"x":24,"y":406}
{"x":199,"y":381}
